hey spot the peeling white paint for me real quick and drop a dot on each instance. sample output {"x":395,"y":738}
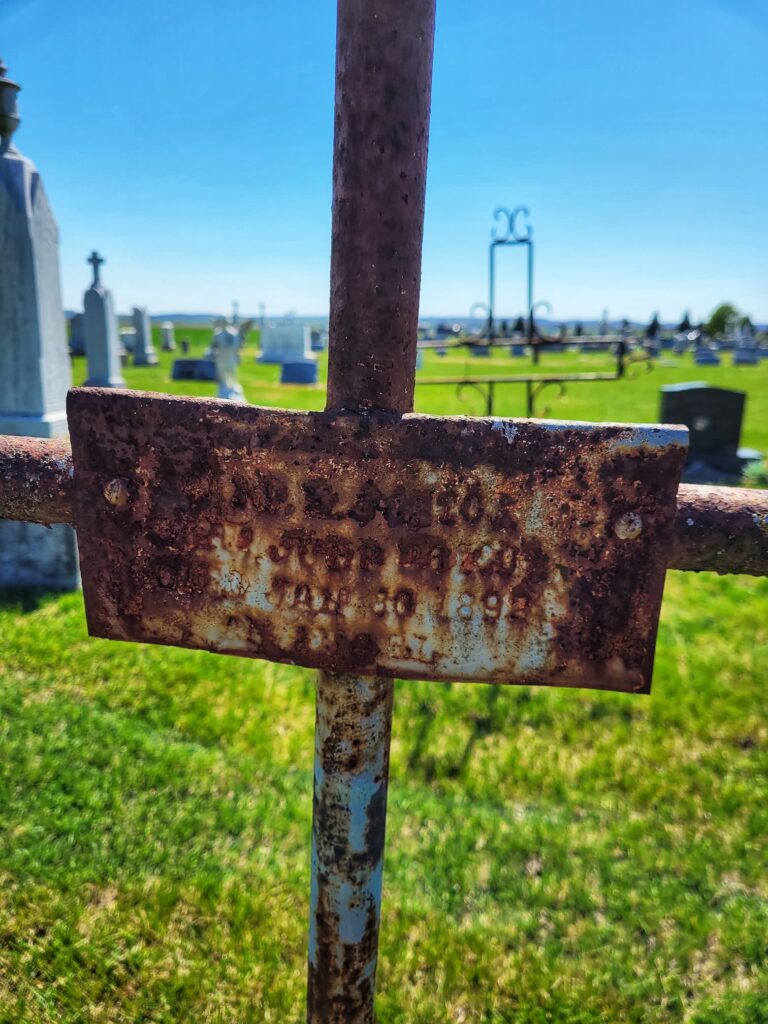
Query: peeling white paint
{"x":506,"y":428}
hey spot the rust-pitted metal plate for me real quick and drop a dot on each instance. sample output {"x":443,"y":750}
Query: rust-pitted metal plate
{"x":509,"y":551}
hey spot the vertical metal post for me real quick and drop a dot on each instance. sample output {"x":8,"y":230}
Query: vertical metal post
{"x":491,"y":287}
{"x":529,"y":243}
{"x":383,"y":89}
{"x":535,"y":352}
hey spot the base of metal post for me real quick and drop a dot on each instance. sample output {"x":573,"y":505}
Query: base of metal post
{"x":352,"y":737}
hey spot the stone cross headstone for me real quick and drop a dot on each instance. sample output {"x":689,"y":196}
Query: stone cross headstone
{"x":102,"y":344}
{"x":169,"y":338}
{"x":35,"y":370}
{"x":143,"y":350}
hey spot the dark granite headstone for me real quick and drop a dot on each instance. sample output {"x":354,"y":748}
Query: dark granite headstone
{"x":304,"y":372}
{"x":193,"y":369}
{"x":77,"y":334}
{"x":704,"y":356}
{"x":745,"y":357}
{"x":713,"y":417}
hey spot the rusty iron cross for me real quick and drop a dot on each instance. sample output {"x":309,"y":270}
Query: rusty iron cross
{"x":368,"y":542}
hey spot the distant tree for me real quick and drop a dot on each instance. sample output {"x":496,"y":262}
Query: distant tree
{"x":653,"y":328}
{"x":519,"y":327}
{"x":746,"y":323}
{"x":718,"y":320}
{"x":503,"y":329}
{"x":685,"y":323}
{"x":578,"y":330}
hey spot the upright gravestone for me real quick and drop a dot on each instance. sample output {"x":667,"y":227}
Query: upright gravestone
{"x":127,"y":338}
{"x":705,"y":356}
{"x":102,"y":345}
{"x":35,"y":371}
{"x":746,"y":355}
{"x":285,"y":343}
{"x":143,"y":350}
{"x":290,"y":345}
{"x":713,"y":417}
{"x":169,"y":340}
{"x":77,"y":334}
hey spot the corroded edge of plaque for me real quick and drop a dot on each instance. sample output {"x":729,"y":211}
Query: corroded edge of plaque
{"x":494,"y":550}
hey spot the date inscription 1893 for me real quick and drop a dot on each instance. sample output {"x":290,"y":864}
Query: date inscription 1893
{"x":447,"y":548}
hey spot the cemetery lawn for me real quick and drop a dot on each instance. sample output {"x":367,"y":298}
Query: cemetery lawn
{"x":553,"y":856}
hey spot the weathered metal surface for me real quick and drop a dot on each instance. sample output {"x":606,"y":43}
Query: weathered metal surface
{"x":353,"y":726}
{"x":422,"y":547}
{"x":721,"y":529}
{"x":716,"y":529}
{"x":383,"y":87}
{"x":383,"y":84}
{"x":36,"y":480}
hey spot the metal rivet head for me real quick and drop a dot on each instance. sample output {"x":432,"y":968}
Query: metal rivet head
{"x":629,"y":526}
{"x":116,"y":492}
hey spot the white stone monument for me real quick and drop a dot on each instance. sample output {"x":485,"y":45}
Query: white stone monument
{"x":102,"y":345}
{"x":143,"y":350}
{"x":286,"y":343}
{"x":228,"y":339}
{"x":127,"y":338}
{"x":169,"y":339}
{"x":35,"y":369}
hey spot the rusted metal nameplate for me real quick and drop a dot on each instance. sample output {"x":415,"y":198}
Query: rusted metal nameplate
{"x":509,"y":551}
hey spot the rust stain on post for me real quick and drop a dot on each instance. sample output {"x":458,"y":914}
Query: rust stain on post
{"x":721,"y":529}
{"x":383,"y":86}
{"x":515,"y":551}
{"x":354,"y":721}
{"x":36,"y":480}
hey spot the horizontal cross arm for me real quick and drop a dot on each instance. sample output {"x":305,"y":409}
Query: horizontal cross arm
{"x":717,"y":529}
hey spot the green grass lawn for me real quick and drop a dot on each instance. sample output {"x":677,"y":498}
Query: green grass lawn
{"x":552,"y":856}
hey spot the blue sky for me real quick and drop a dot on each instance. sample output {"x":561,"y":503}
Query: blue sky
{"x":191,"y":143}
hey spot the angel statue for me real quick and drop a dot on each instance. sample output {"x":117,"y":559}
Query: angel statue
{"x":228,"y":338}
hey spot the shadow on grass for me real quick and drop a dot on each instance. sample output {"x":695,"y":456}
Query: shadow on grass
{"x":27,"y":599}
